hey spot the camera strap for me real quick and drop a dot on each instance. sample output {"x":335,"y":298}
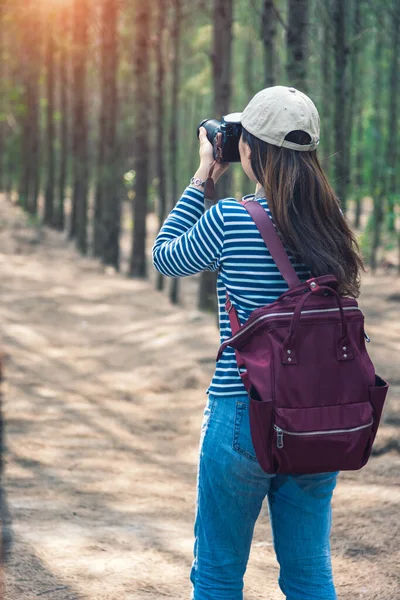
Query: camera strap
{"x":209,"y":188}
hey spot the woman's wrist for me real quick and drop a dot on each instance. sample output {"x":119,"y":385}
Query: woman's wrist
{"x":203,"y":171}
{"x":201,"y":174}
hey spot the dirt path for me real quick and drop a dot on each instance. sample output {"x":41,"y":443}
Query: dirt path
{"x":104,"y":395}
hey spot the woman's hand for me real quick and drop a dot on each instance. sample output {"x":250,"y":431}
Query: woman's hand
{"x":206,"y":152}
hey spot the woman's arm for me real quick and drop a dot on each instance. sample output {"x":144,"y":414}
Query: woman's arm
{"x":190,"y":240}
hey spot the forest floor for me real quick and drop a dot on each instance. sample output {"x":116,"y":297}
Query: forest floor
{"x":103,"y":398}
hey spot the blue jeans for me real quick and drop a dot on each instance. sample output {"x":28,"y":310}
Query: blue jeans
{"x":231,"y":487}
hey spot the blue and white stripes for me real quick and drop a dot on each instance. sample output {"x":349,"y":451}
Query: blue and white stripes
{"x":226,"y":239}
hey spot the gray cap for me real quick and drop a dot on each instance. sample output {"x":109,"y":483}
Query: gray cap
{"x":276,"y":111}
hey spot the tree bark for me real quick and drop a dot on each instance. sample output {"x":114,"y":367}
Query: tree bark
{"x":341,"y":101}
{"x":221,"y":67}
{"x":297,"y":47}
{"x":359,"y":167}
{"x":50,"y":129}
{"x":2,"y":94}
{"x":174,"y":128}
{"x":268,"y":37}
{"x":222,"y":73}
{"x":9,"y":68}
{"x":112,"y":187}
{"x":393,"y":118}
{"x":160,"y":110}
{"x":98,"y":232}
{"x":247,"y":186}
{"x":354,"y":14}
{"x":107,"y":199}
{"x":138,"y":267}
{"x":78,"y":225}
{"x":248,"y":65}
{"x":26,"y":120}
{"x":64,"y":39}
{"x":30,"y":138}
{"x":357,"y":99}
{"x":377,"y":165}
{"x":327,"y":86}
{"x":222,"y":55}
{"x":36,"y":57}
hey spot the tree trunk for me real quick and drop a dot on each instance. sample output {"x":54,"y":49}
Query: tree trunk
{"x":30,"y":138}
{"x":222,"y":73}
{"x":107,"y":197}
{"x":64,"y":39}
{"x":138,"y":267}
{"x":221,"y":64}
{"x":9,"y":72}
{"x":327,"y":86}
{"x":36,"y":58}
{"x":354,"y":11}
{"x":297,"y":48}
{"x":108,"y":194}
{"x":160,"y":149}
{"x":341,"y":103}
{"x":248,"y":65}
{"x":268,"y":36}
{"x":359,"y":168}
{"x":78,"y":225}
{"x":393,"y":118}
{"x":174,"y":128}
{"x":50,"y":130}
{"x":26,"y":131}
{"x":2,"y":95}
{"x":247,"y":186}
{"x":98,"y":232}
{"x":357,"y":99}
{"x":377,"y":164}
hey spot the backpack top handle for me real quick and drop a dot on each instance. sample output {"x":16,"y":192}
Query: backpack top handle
{"x":272,"y":241}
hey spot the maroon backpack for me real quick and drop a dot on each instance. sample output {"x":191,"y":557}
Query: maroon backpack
{"x":315,"y":401}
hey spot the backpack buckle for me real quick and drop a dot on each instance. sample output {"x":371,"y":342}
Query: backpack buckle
{"x":313,"y":285}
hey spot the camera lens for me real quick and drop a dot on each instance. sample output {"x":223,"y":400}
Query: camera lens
{"x":212,"y":127}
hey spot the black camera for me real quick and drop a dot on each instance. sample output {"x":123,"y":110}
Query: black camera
{"x":226,"y":146}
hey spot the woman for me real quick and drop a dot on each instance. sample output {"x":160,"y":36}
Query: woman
{"x":278,"y":151}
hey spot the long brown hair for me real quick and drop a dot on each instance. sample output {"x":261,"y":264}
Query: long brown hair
{"x":306,"y":210}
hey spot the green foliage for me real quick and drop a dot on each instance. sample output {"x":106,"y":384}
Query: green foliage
{"x":33,"y":220}
{"x":365,"y":238}
{"x":129,"y":179}
{"x":196,"y":94}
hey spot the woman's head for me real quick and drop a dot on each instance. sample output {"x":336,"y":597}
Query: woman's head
{"x":302,"y":202}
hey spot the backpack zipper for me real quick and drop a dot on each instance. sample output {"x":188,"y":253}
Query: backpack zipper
{"x":280,"y":432}
{"x":245,"y":328}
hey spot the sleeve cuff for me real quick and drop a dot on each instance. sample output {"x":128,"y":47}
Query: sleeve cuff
{"x":196,"y":190}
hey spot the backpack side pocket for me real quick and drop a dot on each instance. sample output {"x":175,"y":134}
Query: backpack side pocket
{"x":261,"y":426}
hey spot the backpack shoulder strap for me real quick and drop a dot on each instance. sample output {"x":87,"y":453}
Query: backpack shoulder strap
{"x":269,"y":235}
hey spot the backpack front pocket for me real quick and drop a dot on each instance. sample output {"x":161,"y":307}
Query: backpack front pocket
{"x":319,"y":439}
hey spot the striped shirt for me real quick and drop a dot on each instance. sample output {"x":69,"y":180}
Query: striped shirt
{"x":223,"y":239}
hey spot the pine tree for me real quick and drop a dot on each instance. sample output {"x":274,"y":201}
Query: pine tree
{"x":138,"y":267}
{"x":78,"y":225}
